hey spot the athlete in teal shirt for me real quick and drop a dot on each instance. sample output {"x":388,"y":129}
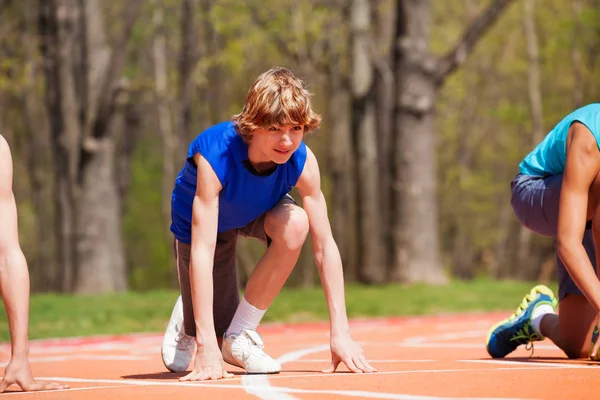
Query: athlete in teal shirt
{"x":557,"y":194}
{"x":549,"y":157}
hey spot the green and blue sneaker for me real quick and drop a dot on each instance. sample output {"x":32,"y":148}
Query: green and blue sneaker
{"x":507,"y":335}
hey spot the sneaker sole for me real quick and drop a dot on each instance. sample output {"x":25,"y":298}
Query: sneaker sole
{"x":251,"y":373}
{"x":166,"y":366}
{"x":538,"y":289}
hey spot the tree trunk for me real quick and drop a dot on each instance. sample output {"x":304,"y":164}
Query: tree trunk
{"x":364,"y":116}
{"x":384,"y":88}
{"x":82,"y":80}
{"x":526,"y":268}
{"x":131,"y":121}
{"x":419,"y":75}
{"x":100,"y":250}
{"x":188,"y":58}
{"x":416,"y":216}
{"x":341,"y":171}
{"x":170,"y":145}
{"x":56,"y":48}
{"x":578,"y":96}
{"x":43,"y":267}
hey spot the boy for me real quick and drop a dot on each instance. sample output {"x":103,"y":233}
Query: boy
{"x":557,"y":194}
{"x":14,"y":285}
{"x":236,"y":182}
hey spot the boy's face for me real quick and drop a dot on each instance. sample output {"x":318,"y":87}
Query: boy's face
{"x":276,"y":143}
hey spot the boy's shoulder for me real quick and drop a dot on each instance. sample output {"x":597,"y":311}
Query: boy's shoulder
{"x":218,"y":138}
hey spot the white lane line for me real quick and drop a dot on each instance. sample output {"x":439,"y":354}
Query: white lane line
{"x":6,"y":394}
{"x":444,"y":345}
{"x":101,"y":346}
{"x":371,"y":360}
{"x":82,"y":357}
{"x":259,"y":386}
{"x":419,"y":371}
{"x":278,"y":391}
{"x":446,"y":336}
{"x":223,"y":384}
{"x":540,"y":363}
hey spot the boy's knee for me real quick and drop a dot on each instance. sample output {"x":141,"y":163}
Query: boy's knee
{"x":290,"y":227}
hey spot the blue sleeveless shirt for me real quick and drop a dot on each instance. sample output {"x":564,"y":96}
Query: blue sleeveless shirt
{"x":549,"y":157}
{"x":245,"y":195}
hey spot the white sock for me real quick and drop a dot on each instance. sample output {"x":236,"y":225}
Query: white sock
{"x":537,"y":315}
{"x":246,"y":317}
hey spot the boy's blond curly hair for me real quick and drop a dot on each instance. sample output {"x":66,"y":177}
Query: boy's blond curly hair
{"x":277,"y":97}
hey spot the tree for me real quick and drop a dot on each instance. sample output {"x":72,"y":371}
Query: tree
{"x":419,"y":76}
{"x":82,"y":75}
{"x":364,"y":125}
{"x":528,"y":269}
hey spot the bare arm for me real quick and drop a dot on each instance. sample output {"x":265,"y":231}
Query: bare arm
{"x":14,"y":285}
{"x":327,"y":255}
{"x":582,"y":167}
{"x":329,"y":263}
{"x":14,"y":276}
{"x":205,"y":214}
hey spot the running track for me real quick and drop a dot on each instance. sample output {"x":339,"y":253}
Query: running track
{"x":419,"y":358}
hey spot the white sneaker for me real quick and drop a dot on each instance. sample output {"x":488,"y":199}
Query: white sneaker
{"x":245,"y":350}
{"x":177,"y":348}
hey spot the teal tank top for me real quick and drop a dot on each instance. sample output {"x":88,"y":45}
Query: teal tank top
{"x":548,"y":157}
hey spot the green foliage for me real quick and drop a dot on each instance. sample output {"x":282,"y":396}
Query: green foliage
{"x":483,"y":121}
{"x":150,"y":258}
{"x":54,"y":315}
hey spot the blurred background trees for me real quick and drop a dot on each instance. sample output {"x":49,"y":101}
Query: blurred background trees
{"x":428,"y":109}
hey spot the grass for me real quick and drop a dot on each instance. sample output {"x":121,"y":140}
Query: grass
{"x":53,"y":315}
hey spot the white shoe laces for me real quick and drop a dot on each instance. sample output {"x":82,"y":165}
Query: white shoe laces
{"x":184,"y":342}
{"x":254,"y":344}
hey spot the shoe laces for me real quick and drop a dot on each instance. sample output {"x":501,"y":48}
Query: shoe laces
{"x":529,"y":346}
{"x":529,"y":297}
{"x":526,"y":333}
{"x":184,"y":342}
{"x":252,"y":343}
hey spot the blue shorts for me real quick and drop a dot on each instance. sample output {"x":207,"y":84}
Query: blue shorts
{"x":535,"y":202}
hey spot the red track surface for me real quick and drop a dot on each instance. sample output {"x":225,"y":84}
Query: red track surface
{"x":419,"y":358}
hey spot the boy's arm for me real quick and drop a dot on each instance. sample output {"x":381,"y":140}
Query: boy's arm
{"x":14,"y":284}
{"x":329,"y":263}
{"x":205,"y":213}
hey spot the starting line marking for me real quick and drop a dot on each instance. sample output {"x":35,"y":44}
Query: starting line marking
{"x":276,"y":391}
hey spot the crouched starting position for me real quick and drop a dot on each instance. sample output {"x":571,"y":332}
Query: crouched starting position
{"x":235,"y":181}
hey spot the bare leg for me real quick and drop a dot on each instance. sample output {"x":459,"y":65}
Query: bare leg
{"x":287,"y":226}
{"x":571,"y":330}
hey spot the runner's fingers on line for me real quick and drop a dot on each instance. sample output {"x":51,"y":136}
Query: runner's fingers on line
{"x":335,"y":361}
{"x":351,"y":365}
{"x":37,"y":386}
{"x":193,"y":376}
{"x":366,"y":362}
{"x":362,"y":363}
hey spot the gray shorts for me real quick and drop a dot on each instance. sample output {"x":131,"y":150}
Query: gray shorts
{"x":535,"y":202}
{"x":226,"y":295}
